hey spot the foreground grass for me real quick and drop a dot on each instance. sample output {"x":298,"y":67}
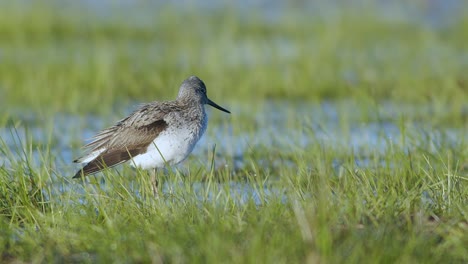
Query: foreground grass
{"x":404,"y":206}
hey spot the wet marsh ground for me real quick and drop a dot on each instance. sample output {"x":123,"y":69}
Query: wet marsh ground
{"x":347,"y":140}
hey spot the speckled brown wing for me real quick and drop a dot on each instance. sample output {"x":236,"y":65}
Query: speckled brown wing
{"x":128,"y":138}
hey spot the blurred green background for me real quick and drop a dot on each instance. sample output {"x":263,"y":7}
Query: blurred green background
{"x":84,"y":56}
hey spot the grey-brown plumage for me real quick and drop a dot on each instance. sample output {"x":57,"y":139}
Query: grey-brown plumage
{"x":155,"y":134}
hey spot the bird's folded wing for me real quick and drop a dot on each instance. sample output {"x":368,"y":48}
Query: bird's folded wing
{"x":126,"y":139}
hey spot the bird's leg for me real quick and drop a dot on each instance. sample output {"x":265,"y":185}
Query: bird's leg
{"x":154,"y":183}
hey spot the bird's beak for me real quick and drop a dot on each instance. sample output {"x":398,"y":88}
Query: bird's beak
{"x":213,"y":104}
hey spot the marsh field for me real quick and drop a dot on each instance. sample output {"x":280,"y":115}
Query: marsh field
{"x":347,"y":140}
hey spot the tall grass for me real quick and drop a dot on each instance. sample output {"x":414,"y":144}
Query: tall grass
{"x":402,"y":207}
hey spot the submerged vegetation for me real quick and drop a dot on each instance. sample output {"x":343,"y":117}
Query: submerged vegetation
{"x":347,"y":140}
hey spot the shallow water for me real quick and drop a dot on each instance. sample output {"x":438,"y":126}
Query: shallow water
{"x":281,"y":126}
{"x":272,"y":127}
{"x":435,"y":13}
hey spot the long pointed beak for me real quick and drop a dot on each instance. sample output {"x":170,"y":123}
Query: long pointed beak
{"x":213,"y":104}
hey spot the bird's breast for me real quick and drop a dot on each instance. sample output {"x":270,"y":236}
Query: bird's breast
{"x":171,"y":146}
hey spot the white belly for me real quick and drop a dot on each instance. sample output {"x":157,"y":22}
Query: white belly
{"x":168,"y":148}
